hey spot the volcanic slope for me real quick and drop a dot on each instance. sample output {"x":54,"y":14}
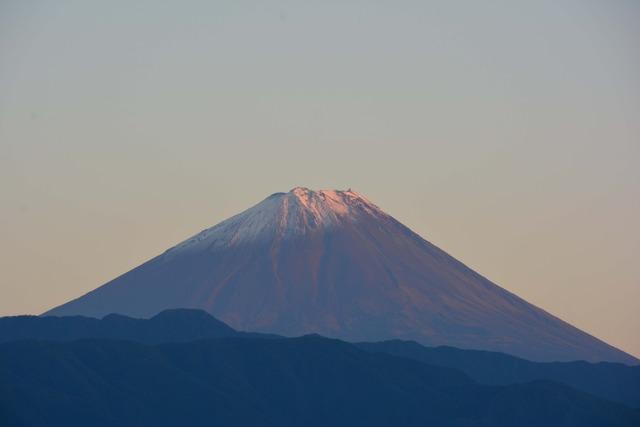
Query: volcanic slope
{"x":332,"y":262}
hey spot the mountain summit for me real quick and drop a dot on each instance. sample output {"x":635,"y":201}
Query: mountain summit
{"x":332,"y":262}
{"x":283,"y":216}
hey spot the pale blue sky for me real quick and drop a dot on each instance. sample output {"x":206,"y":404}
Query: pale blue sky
{"x":506,"y":132}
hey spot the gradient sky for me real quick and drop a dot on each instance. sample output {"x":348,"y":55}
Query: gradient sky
{"x":505,"y":132}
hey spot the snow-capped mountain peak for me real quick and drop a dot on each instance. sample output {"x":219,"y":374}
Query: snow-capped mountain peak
{"x":331,"y":262}
{"x":284,"y":215}
{"x":329,"y":205}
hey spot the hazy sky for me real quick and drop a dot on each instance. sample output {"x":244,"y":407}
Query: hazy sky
{"x":507,"y":133}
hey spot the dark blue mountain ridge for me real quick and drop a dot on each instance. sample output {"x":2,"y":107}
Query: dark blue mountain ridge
{"x":174,"y":325}
{"x":238,"y":381}
{"x":612,"y":381}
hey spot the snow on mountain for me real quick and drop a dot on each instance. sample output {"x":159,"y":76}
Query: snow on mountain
{"x":283,"y":215}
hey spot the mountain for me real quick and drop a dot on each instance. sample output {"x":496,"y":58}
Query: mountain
{"x":611,"y":381}
{"x":174,"y":325}
{"x":310,"y":381}
{"x":333,"y":263}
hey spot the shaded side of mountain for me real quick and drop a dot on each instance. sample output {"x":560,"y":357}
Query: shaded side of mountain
{"x":613,"y":381}
{"x":310,"y":381}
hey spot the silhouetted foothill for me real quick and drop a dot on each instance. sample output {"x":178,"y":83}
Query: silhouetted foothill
{"x":612,"y":381}
{"x":308,"y":381}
